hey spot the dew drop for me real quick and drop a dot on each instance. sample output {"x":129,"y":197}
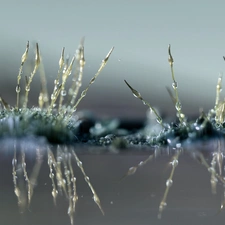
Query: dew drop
{"x":63,"y":92}
{"x":51,"y":175}
{"x":178,"y":145}
{"x":79,"y":163}
{"x":17,"y":89}
{"x":169,"y":183}
{"x":54,"y":193}
{"x":175,"y":85}
{"x":214,"y":180}
{"x":174,"y":163}
{"x":83,"y":94}
{"x":162,"y":206}
{"x":69,"y":210}
{"x":132,"y":170}
{"x":92,"y":80}
{"x":27,"y":89}
{"x":211,"y":170}
{"x":159,"y":120}
{"x":14,"y":162}
{"x":178,"y":106}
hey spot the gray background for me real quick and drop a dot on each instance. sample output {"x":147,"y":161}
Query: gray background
{"x":139,"y":30}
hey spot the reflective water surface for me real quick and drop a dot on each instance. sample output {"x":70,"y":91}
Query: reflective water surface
{"x":134,"y":200}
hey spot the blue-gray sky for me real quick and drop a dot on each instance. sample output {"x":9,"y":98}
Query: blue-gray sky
{"x":140,"y":31}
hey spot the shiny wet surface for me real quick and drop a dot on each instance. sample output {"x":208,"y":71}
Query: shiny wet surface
{"x":134,"y":200}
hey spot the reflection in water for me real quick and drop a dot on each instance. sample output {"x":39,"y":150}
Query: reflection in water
{"x":60,"y":160}
{"x":146,"y":194}
{"x":211,"y":157}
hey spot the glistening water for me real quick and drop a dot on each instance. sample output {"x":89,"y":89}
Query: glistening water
{"x":193,"y":198}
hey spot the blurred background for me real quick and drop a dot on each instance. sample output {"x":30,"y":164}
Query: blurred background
{"x":139,"y":30}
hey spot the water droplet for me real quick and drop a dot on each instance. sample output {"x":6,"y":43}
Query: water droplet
{"x":14,"y":162}
{"x":52,"y":97}
{"x":178,"y":106}
{"x":51,"y":175}
{"x":79,"y":163}
{"x":27,"y":89}
{"x":83,"y":94}
{"x":63,"y":93}
{"x":159,"y":120}
{"x":162,"y":206}
{"x":178,"y":145}
{"x":96,"y":199}
{"x":169,"y":183}
{"x":17,"y":89}
{"x":17,"y":192}
{"x":69,"y":210}
{"x":211,"y":170}
{"x":132,"y":170}
{"x":214,"y":180}
{"x":54,"y":193}
{"x":67,"y":172}
{"x":92,"y":80}
{"x":174,"y":163}
{"x":175,"y":85}
{"x":182,"y":115}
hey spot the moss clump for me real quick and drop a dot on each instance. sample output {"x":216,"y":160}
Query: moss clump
{"x":183,"y":131}
{"x":53,"y":119}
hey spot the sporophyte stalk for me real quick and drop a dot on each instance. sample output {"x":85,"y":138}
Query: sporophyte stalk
{"x":47,"y":131}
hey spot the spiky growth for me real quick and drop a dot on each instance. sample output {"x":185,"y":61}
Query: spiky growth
{"x":50,"y":127}
{"x":47,"y":120}
{"x":180,"y":135}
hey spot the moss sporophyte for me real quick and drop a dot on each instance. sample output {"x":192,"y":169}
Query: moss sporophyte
{"x":54,"y":129}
